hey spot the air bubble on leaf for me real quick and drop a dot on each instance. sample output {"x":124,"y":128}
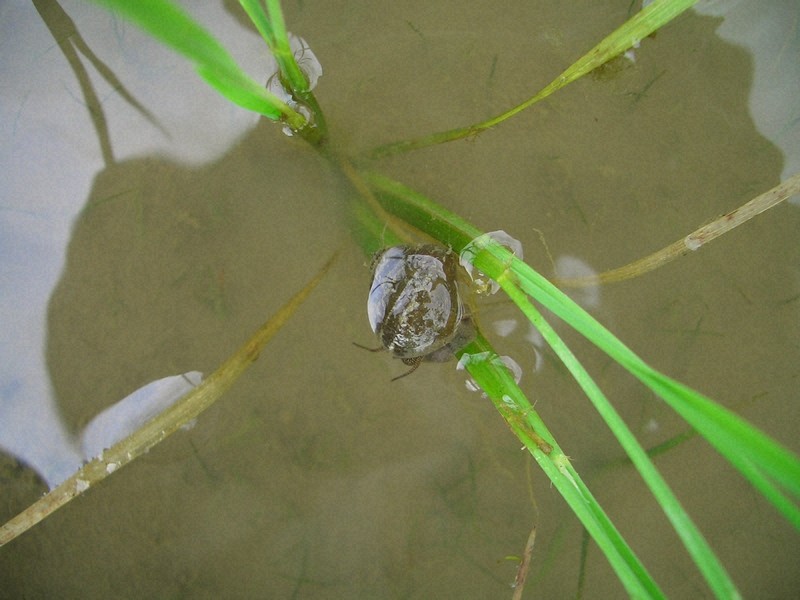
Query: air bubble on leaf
{"x":505,"y":361}
{"x":309,"y":65}
{"x":298,"y":108}
{"x":481,"y":282}
{"x":509,"y":402}
{"x":471,"y":384}
{"x":510,"y":364}
{"x":467,"y":359}
{"x":692,"y":243}
{"x":307,"y":62}
{"x":512,"y":243}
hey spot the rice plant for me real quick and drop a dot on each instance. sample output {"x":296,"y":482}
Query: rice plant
{"x":385,"y":212}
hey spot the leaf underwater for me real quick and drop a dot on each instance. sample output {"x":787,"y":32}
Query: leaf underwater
{"x":178,"y":415}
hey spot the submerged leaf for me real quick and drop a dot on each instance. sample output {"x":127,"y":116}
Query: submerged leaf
{"x":178,"y":415}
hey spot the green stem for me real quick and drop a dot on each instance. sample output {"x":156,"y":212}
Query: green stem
{"x":638,"y":27}
{"x":282,"y":51}
{"x":273,"y":29}
{"x":697,"y":546}
{"x":770,"y":467}
{"x":480,"y":360}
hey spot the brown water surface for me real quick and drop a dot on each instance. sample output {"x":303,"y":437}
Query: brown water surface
{"x":315,"y":477}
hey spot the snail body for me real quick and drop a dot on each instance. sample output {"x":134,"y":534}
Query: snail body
{"x":414,"y":304}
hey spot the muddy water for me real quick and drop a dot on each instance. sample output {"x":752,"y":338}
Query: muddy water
{"x":315,"y":476}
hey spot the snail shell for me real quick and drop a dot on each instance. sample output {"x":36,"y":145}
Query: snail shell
{"x":414,"y":305}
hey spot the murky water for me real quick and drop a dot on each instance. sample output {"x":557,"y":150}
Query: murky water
{"x":314,"y":476}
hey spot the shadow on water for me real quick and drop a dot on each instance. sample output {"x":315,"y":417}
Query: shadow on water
{"x":172,"y":266}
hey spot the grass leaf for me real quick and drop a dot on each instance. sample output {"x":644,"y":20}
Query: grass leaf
{"x":172,"y":26}
{"x":164,"y":424}
{"x":638,"y":27}
{"x":765,"y":463}
{"x":496,"y":381}
{"x":702,"y":554}
{"x":282,"y":51}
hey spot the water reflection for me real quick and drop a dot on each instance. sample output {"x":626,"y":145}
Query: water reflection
{"x":769,"y":32}
{"x":63,"y":123}
{"x":122,"y":418}
{"x":572,"y":267}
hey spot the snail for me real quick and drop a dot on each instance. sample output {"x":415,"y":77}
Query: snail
{"x":414,"y":304}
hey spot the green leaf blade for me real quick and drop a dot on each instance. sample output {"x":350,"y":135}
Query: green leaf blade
{"x":173,"y":27}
